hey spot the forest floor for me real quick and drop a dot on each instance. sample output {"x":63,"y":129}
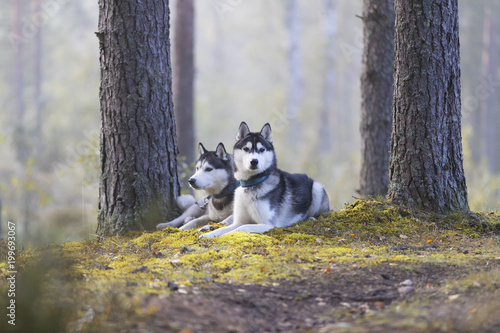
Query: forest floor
{"x":370,"y":267}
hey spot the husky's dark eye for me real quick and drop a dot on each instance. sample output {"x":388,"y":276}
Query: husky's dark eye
{"x":262,"y":150}
{"x":208,"y":169}
{"x":246,"y":149}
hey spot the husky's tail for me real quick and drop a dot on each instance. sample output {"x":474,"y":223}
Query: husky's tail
{"x":320,"y":202}
{"x":185,"y":201}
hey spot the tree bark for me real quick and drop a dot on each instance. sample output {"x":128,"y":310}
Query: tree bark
{"x":426,"y":163}
{"x":139,"y":180}
{"x":183,"y":78}
{"x":377,"y":80}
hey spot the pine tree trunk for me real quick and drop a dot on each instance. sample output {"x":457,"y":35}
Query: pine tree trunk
{"x":183,"y":78}
{"x":326,"y":113}
{"x":20,"y":136}
{"x":38,"y":86}
{"x":376,"y":96}
{"x":294,"y":98}
{"x":488,"y":107}
{"x":426,"y":163}
{"x":138,"y":143}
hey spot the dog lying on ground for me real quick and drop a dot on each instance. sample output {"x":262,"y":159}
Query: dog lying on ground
{"x":214,"y":175}
{"x":268,"y":197}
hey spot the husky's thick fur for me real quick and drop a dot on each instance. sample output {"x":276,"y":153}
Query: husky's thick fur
{"x":214,"y":175}
{"x":268,"y":197}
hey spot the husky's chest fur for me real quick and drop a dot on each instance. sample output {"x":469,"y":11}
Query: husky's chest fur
{"x":281,"y":200}
{"x":254,"y":203}
{"x":220,"y":208}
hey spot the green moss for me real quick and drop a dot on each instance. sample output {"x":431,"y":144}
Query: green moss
{"x":363,"y":233}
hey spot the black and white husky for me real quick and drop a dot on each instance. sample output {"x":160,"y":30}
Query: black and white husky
{"x":214,"y":175}
{"x":268,"y":197}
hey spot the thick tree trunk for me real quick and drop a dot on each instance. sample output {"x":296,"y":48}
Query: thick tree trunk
{"x":377,"y":80}
{"x":139,"y":178}
{"x":426,"y":160}
{"x":183,"y":77}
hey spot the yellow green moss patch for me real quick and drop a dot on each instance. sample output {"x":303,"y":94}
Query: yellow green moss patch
{"x":363,"y":234}
{"x":366,"y":232}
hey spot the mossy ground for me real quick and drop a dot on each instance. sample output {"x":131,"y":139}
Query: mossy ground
{"x":339,"y":272}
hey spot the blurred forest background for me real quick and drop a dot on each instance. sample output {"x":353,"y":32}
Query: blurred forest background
{"x":49,"y":95}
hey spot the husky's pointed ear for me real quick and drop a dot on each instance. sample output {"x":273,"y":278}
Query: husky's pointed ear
{"x":220,"y":151}
{"x":201,"y":149}
{"x":242,"y":131}
{"x":266,"y":132}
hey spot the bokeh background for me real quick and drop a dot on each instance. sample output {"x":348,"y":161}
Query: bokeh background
{"x":49,"y":97}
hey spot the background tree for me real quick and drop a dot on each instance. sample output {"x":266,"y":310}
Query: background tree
{"x":37,"y":58}
{"x":241,"y":73}
{"x":489,"y":118}
{"x":294,"y":91}
{"x":138,"y":144}
{"x":426,"y":168}
{"x":183,"y":77}
{"x":376,"y":96}
{"x":326,"y":137}
{"x":20,"y":139}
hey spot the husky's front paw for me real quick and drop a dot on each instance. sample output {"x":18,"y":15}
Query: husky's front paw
{"x":209,"y":234}
{"x":162,"y":226}
{"x":207,"y":227}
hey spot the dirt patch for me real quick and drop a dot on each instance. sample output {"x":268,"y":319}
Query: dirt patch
{"x":319,"y":303}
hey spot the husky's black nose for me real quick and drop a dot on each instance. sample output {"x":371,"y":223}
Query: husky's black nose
{"x":254,"y":163}
{"x":192,"y":181}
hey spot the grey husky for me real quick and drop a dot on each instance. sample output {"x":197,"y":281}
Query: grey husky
{"x":214,"y":175}
{"x":268,"y":197}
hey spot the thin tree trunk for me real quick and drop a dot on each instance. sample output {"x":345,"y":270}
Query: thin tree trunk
{"x":426,"y":160}
{"x":183,"y":77}
{"x":20,"y":139}
{"x":139,"y":180}
{"x":294,"y":70}
{"x":326,"y":123}
{"x":38,"y":84}
{"x":18,"y":65}
{"x":488,"y":108}
{"x":377,"y":80}
{"x":1,"y":222}
{"x":20,"y":136}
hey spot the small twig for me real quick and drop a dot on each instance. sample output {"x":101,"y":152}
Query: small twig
{"x":403,"y":248}
{"x":389,"y":296}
